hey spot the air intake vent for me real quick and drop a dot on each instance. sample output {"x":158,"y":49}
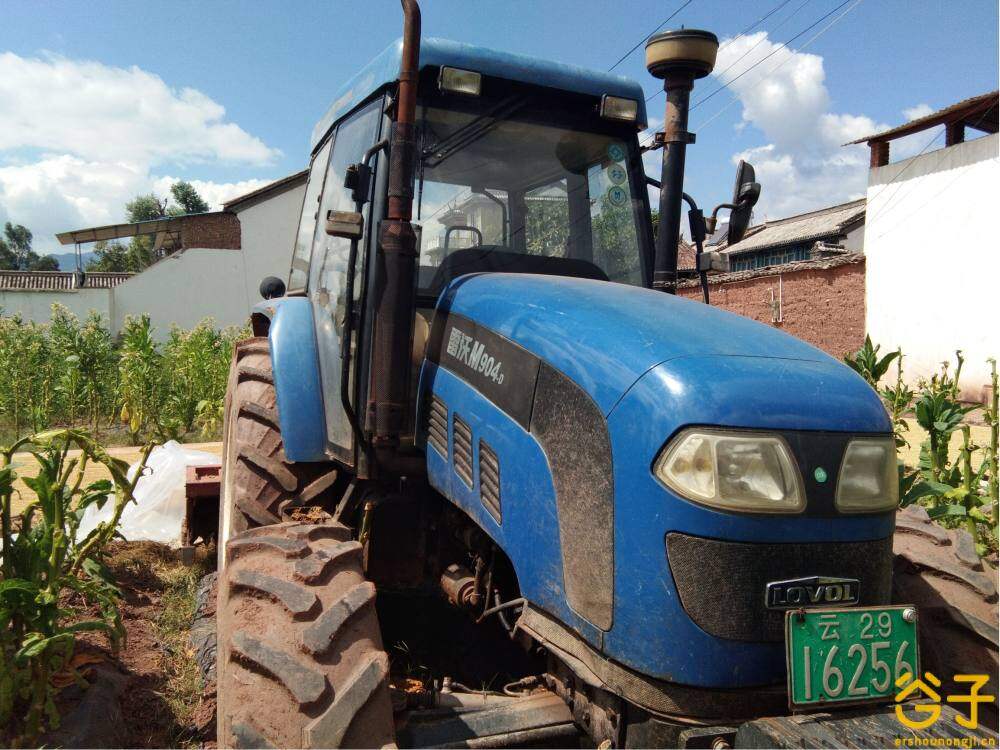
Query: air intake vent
{"x":463,"y":451}
{"x":437,"y":426}
{"x":489,"y":480}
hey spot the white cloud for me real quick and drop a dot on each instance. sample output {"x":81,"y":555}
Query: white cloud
{"x":918,"y":111}
{"x":805,"y":165}
{"x":104,"y":113}
{"x":78,"y":139}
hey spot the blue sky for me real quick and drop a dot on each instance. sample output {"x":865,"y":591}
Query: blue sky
{"x":100,"y":99}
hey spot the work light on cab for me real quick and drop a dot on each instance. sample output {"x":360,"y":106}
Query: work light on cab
{"x":619,"y":108}
{"x":733,"y":471}
{"x":458,"y":81}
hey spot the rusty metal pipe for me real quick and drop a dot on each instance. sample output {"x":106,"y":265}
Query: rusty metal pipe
{"x":401,"y":167}
{"x":396,"y":263}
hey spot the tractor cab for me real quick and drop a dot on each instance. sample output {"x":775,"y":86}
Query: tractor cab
{"x":520,"y":166}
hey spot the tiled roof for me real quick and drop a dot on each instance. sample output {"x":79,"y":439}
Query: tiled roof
{"x":827,"y":222}
{"x":285,"y":183}
{"x":977,"y":111}
{"x":59,"y":280}
{"x":798,"y":265}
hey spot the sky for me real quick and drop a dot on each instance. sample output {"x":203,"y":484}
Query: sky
{"x":103,"y":100}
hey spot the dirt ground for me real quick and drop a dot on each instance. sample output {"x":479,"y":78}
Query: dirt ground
{"x":161,"y":700}
{"x":26,"y":462}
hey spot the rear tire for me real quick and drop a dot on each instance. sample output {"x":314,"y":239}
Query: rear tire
{"x":258,"y":481}
{"x":955,"y":593}
{"x":300,"y":658}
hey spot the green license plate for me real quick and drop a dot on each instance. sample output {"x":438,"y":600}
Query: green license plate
{"x":838,"y":656}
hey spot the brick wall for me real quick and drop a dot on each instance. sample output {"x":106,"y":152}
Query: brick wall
{"x":822,"y":302}
{"x":218,"y":230}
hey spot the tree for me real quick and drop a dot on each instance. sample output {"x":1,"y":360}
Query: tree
{"x":188,"y":198}
{"x":44,"y":263}
{"x":109,"y":256}
{"x":18,"y":241}
{"x":145,"y":208}
{"x":8,"y":261}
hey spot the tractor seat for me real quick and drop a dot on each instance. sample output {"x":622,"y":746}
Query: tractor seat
{"x":498,"y":259}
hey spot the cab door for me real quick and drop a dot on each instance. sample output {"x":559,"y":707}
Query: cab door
{"x":328,"y":272}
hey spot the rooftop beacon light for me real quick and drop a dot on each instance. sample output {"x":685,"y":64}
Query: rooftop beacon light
{"x":679,"y":58}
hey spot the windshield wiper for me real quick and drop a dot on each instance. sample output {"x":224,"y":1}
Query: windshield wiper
{"x":472,"y":131}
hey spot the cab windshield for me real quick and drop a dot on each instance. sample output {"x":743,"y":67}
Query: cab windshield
{"x":504,"y":186}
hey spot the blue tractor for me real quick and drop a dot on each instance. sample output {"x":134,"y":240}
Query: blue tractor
{"x":474,"y":390}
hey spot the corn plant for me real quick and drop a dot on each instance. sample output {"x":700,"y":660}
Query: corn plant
{"x":141,"y":378}
{"x":53,"y":584}
{"x":952,"y":491}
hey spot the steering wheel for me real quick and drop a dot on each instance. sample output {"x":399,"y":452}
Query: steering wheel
{"x":462,"y":228}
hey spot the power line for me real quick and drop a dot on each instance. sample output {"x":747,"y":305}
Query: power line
{"x":781,"y":64}
{"x":735,"y":62}
{"x":773,"y":52}
{"x":749,"y":28}
{"x":886,"y":207}
{"x":641,"y":41}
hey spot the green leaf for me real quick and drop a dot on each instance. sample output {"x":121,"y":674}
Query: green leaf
{"x":946,"y":510}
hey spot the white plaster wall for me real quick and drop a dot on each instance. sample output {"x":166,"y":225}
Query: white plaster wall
{"x":933,"y":260}
{"x":267,"y":231}
{"x":37,"y":305}
{"x":185,"y":288}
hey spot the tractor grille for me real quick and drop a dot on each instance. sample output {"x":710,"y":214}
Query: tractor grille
{"x":437,"y":426}
{"x":489,"y":480}
{"x":463,"y":451}
{"x":721,"y":584}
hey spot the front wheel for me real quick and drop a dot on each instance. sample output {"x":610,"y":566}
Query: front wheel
{"x":300,"y":657}
{"x":258,"y":481}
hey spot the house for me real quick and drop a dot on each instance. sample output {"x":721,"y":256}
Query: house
{"x":831,"y":231}
{"x":804,"y":274}
{"x":207,"y":265}
{"x":932,"y":269}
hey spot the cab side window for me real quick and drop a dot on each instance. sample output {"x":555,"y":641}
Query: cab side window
{"x":299,"y":274}
{"x":328,"y":270}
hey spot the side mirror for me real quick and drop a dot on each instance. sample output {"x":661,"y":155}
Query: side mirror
{"x":347,"y":224}
{"x":746,"y":192}
{"x":272,"y":287}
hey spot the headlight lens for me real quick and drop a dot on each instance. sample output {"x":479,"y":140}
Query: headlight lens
{"x":868,"y":481}
{"x":732,"y":471}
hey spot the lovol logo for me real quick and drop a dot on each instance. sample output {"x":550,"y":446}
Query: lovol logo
{"x":812,"y":592}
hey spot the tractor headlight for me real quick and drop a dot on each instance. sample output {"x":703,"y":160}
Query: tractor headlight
{"x":868,"y":481}
{"x":738,"y":471}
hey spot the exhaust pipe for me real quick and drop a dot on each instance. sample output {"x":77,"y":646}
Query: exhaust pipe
{"x":396,"y":261}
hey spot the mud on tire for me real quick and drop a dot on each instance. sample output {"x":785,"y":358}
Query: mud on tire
{"x":257,"y":479}
{"x":300,"y":658}
{"x":955,"y":593}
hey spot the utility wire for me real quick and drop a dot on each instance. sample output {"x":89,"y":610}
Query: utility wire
{"x":773,"y":52}
{"x":735,"y":62}
{"x":886,"y":207}
{"x":641,"y":41}
{"x":781,"y":64}
{"x":749,"y":28}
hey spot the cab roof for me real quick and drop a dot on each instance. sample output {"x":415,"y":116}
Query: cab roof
{"x":384,"y":69}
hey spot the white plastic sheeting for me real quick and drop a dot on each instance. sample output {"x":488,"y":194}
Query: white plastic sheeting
{"x":158,"y":512}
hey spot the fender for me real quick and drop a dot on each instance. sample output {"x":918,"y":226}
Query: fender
{"x":295,"y":362}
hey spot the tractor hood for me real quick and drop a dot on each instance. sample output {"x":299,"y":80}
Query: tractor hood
{"x":605,"y":336}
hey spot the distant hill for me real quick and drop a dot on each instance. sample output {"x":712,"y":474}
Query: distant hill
{"x":67,"y":261}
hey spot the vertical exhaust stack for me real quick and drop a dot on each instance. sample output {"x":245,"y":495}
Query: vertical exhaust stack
{"x":678,"y":57}
{"x":396,"y":260}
